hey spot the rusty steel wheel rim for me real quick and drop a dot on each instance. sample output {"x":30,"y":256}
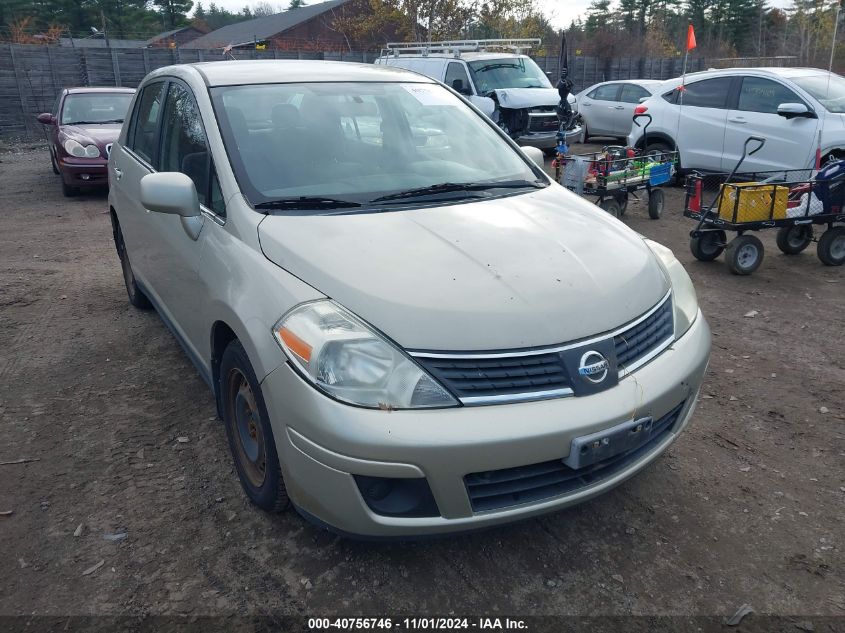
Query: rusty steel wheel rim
{"x":245,"y":420}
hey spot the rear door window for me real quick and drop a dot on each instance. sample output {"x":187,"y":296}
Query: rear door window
{"x":144,"y":128}
{"x":631,"y":93}
{"x":709,"y":93}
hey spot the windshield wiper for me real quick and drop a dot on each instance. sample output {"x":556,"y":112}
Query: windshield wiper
{"x":448,"y":187}
{"x":307,"y":202}
{"x":93,"y":122}
{"x":484,"y":69}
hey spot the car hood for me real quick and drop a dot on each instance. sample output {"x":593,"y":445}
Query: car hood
{"x":99,"y":134}
{"x":540,"y":268}
{"x":529,"y":97}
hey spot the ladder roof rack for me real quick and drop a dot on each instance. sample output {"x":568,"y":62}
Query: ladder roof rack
{"x":456,"y":47}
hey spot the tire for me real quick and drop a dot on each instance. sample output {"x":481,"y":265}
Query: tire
{"x":249,"y":432}
{"x":658,"y":146}
{"x":53,"y":163}
{"x":136,"y":296}
{"x":744,"y":254}
{"x":612,"y":206}
{"x":656,"y":200}
{"x":69,"y":191}
{"x":585,"y":135}
{"x":708,"y":246}
{"x":791,"y":240}
{"x":831,"y":248}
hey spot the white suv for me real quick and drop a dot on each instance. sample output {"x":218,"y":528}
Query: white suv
{"x":789,"y":107}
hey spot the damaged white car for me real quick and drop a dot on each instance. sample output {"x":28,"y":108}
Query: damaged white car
{"x":509,"y":86}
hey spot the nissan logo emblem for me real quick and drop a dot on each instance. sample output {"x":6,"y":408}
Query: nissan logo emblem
{"x":593,"y":367}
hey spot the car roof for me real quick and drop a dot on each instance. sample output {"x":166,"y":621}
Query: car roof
{"x":274,"y":71}
{"x":784,"y":73}
{"x":639,"y":82}
{"x":89,"y":89}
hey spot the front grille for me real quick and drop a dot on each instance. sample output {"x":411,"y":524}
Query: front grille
{"x":496,"y":489}
{"x":635,"y":343}
{"x":543,"y":123}
{"x":540,"y":373}
{"x":469,"y":377}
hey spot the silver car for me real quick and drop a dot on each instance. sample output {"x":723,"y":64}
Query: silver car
{"x":407,"y":327}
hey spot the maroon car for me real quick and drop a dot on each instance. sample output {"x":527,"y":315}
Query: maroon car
{"x":82,"y":127}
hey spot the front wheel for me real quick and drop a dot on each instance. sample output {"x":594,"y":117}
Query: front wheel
{"x":831,"y":248}
{"x":53,"y":163}
{"x":69,"y":191}
{"x":655,"y":204}
{"x":744,"y":254}
{"x":708,"y":245}
{"x":791,"y":240}
{"x":249,"y":432}
{"x":136,"y":296}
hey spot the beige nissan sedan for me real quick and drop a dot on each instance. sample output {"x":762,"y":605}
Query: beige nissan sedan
{"x":407,"y":327}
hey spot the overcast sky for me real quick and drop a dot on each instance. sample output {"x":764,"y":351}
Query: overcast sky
{"x":560,"y":12}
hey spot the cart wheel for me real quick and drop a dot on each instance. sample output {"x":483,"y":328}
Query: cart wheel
{"x":794,"y":239}
{"x":655,"y":204}
{"x":744,"y":254}
{"x":831,"y":249}
{"x":708,"y":245}
{"x":612,"y":206}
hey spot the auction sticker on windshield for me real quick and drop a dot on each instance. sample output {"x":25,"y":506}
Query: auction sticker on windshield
{"x":430,"y":95}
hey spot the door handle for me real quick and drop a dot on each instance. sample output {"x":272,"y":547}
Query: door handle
{"x":618,"y":107}
{"x":118,"y":173}
{"x":737,"y":120}
{"x":586,"y":103}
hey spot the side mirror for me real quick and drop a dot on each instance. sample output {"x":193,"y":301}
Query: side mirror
{"x":795,"y":110}
{"x":46,"y":118}
{"x":535,"y":154}
{"x":170,"y":192}
{"x":458,"y":86}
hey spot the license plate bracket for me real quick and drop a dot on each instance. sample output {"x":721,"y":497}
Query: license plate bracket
{"x":587,"y":450}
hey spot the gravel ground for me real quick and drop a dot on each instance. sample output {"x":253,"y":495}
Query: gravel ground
{"x":746,"y":507}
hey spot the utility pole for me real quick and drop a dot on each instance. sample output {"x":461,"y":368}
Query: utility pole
{"x":103,"y":24}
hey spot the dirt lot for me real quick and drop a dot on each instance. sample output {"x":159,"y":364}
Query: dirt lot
{"x":747,"y":506}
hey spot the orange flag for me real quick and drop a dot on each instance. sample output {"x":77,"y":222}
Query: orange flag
{"x":690,"y":38}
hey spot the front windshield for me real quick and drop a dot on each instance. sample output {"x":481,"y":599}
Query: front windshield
{"x":96,"y":107}
{"x":831,"y":94}
{"x":357,"y":141}
{"x":507,"y":72}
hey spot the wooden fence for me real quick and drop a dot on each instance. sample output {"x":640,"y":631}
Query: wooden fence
{"x":32,"y":76}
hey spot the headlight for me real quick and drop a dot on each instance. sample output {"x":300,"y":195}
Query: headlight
{"x":683,"y":292}
{"x":342,"y":356}
{"x":74,"y":148}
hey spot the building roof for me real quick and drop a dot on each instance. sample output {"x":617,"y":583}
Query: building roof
{"x":262,"y":28}
{"x":166,"y":34}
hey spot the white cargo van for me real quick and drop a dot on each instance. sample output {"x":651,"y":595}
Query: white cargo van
{"x":496,"y":76}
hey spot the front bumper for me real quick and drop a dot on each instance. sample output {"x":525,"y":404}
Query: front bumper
{"x":322,"y":443}
{"x":81,"y":172}
{"x":548,"y":140}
